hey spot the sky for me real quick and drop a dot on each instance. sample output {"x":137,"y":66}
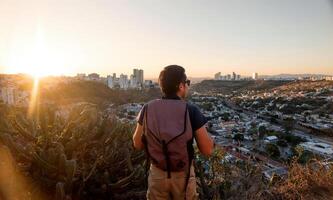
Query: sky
{"x":205,"y":37}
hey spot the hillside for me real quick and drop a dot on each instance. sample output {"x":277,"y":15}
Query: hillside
{"x":91,"y":157}
{"x":226,"y":87}
{"x":94,"y":92}
{"x":305,"y":85}
{"x":89,"y":154}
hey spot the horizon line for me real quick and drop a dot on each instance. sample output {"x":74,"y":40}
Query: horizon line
{"x":197,"y":77}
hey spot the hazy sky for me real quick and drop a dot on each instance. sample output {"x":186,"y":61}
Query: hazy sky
{"x":245,"y":36}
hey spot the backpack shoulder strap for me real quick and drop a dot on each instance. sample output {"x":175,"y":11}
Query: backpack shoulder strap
{"x":145,"y":144}
{"x":190,"y":153}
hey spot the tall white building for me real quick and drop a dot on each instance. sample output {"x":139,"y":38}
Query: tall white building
{"x":133,"y":82}
{"x":227,"y":77}
{"x":255,"y":76}
{"x":111,"y":81}
{"x":135,"y":77}
{"x":138,"y":75}
{"x":233,"y":76}
{"x":123,"y":81}
{"x":137,"y":80}
{"x":141,"y":79}
{"x":217,"y":76}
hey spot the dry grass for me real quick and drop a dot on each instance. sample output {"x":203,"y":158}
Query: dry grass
{"x":312,"y":181}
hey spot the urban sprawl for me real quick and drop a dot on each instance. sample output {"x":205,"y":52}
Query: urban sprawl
{"x":264,"y":127}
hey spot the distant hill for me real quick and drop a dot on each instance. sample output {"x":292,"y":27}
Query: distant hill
{"x":226,"y":87}
{"x":193,"y":79}
{"x":305,"y":85}
{"x":291,"y":76}
{"x":98,"y":93}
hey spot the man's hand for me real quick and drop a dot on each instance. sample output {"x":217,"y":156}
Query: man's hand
{"x":137,"y":137}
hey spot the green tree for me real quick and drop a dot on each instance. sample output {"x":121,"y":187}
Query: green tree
{"x":131,"y":113}
{"x":273,"y":150}
{"x":225,"y":116}
{"x":305,"y":157}
{"x":262,"y":131}
{"x":293,"y":140}
{"x":282,"y":143}
{"x":288,"y":124}
{"x":238,"y":137}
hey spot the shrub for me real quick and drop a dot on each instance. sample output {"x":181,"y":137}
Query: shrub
{"x":272,"y":150}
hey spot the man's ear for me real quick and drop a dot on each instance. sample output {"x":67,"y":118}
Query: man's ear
{"x":180,"y":86}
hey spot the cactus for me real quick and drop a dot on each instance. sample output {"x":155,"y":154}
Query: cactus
{"x":77,"y":157}
{"x":123,"y":182}
{"x":43,"y":163}
{"x":62,"y":162}
{"x":22,"y":131}
{"x":14,"y":147}
{"x":70,"y":172}
{"x":60,"y":191}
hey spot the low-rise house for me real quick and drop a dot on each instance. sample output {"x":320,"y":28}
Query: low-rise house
{"x":278,"y":171}
{"x":319,"y":148}
{"x":270,"y":139}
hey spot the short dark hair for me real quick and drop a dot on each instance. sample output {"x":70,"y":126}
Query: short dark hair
{"x":170,"y":78}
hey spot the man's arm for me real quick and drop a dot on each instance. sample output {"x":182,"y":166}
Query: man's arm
{"x":204,"y":141}
{"x":137,"y":137}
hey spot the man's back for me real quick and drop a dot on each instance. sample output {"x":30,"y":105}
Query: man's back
{"x":168,"y":140}
{"x":166,"y":129}
{"x":197,"y":119}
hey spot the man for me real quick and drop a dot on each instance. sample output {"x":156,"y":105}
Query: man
{"x":166,"y":128}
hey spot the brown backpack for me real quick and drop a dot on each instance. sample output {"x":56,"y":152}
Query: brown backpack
{"x":168,"y":136}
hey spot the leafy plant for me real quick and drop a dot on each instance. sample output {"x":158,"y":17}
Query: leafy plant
{"x":85,"y":155}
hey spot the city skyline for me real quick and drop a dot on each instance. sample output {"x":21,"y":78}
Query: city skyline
{"x":212,"y":76}
{"x":268,"y":37}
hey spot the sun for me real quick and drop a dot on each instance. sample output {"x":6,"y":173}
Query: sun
{"x":36,"y":59}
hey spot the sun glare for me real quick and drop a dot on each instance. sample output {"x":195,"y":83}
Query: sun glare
{"x":36,"y":59}
{"x":33,"y":105}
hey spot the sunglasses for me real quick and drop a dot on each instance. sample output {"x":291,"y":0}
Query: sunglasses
{"x":188,"y":82}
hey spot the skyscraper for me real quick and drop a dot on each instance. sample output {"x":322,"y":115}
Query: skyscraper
{"x":123,"y":81}
{"x":217,"y":76}
{"x":110,"y":81}
{"x":138,"y":77}
{"x":141,"y":80}
{"x":233,"y":76}
{"x":132,"y":81}
{"x":136,"y":73}
{"x":255,"y":76}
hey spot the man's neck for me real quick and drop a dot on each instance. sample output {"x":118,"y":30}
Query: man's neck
{"x":180,"y":96}
{"x":175,"y":96}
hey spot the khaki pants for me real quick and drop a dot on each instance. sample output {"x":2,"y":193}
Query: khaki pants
{"x":160,"y":187}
